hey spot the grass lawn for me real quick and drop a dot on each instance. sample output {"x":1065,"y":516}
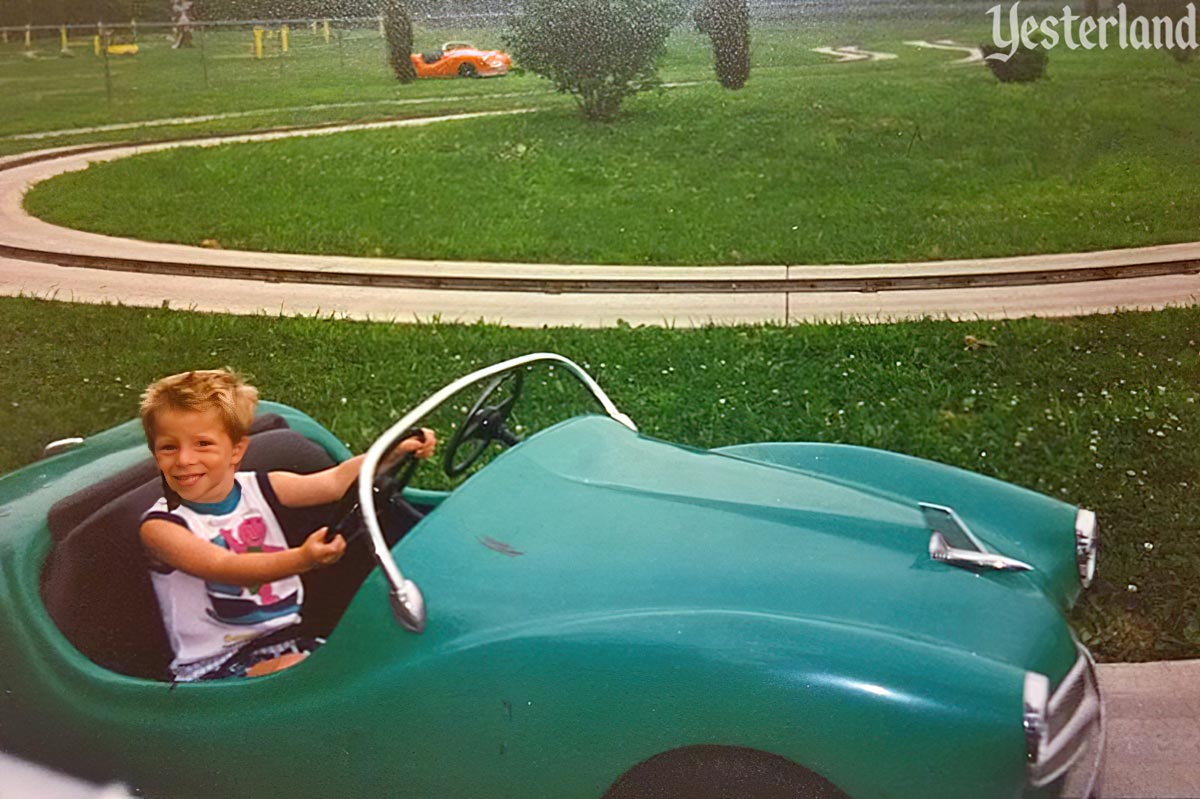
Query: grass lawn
{"x":347,"y":79}
{"x":814,"y":162}
{"x":1099,"y":411}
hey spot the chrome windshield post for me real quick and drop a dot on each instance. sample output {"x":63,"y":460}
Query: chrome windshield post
{"x":408,"y":604}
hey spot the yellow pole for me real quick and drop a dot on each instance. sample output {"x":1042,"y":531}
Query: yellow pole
{"x":28,"y":38}
{"x":96,"y":43}
{"x":326,"y":31}
{"x":283,"y":37}
{"x":381,"y":30}
{"x":62,"y":35}
{"x":258,"y":32}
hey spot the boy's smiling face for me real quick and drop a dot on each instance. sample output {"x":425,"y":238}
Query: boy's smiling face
{"x":195,"y":452}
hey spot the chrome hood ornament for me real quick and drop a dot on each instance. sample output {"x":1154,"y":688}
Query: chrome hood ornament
{"x":952,"y":542}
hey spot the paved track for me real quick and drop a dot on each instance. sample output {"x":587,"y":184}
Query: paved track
{"x":528,"y":309}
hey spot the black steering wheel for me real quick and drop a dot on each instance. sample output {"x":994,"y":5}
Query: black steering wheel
{"x":484,"y":424}
{"x":347,"y":517}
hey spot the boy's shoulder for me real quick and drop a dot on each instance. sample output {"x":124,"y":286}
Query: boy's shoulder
{"x":159,"y":511}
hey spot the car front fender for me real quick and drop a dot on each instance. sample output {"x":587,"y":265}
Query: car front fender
{"x":874,"y":714}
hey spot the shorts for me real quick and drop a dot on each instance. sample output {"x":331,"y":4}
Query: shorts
{"x":288,"y":640}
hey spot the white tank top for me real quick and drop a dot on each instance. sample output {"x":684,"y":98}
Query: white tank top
{"x":204,"y":620}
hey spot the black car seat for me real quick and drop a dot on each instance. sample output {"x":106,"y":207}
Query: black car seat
{"x":96,"y":584}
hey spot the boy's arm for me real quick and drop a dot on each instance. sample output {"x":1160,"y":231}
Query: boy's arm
{"x":174,"y":546}
{"x":329,"y":485}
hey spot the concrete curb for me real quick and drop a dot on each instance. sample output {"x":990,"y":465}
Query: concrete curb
{"x":1153,"y":710}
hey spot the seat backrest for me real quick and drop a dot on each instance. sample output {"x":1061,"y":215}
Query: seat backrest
{"x":96,"y":580}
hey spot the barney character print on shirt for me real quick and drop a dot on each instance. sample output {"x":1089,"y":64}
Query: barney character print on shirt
{"x":234,"y":604}
{"x":253,"y":532}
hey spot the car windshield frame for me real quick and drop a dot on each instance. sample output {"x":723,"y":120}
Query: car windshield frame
{"x":408,"y":605}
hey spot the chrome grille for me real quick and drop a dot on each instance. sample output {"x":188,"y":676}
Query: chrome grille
{"x":1066,"y":701}
{"x":1075,"y":725}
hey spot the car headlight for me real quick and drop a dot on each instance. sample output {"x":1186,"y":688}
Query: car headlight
{"x":1087,"y":540}
{"x":1036,"y":701}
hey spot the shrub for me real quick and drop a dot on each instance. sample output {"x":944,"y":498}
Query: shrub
{"x":727,"y":23}
{"x":1026,"y":64}
{"x":397,"y":30}
{"x":600,"y":51}
{"x":1173,"y":10}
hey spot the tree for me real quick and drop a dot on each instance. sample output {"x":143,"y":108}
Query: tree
{"x":727,"y":24}
{"x":398,"y":31}
{"x":600,"y":51}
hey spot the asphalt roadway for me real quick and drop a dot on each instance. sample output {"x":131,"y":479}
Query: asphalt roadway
{"x":1153,"y":709}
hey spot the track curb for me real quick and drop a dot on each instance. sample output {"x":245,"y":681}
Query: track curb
{"x":614,"y":285}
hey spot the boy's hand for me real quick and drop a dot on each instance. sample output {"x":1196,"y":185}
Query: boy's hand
{"x":418,"y":447}
{"x":319,"y":552}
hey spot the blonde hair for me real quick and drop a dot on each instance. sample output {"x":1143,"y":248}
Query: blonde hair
{"x":222,"y":390}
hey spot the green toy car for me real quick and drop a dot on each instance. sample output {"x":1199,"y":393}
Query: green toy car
{"x":594,"y":612}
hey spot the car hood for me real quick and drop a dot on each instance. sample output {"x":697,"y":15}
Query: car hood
{"x":589,"y":518}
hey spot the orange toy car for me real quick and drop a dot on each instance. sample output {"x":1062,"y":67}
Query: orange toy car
{"x":463,"y":60}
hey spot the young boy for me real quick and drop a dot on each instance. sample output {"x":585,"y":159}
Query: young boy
{"x":221,"y":567}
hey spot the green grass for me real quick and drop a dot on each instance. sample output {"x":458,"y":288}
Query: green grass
{"x":813,"y":162}
{"x":52,"y":93}
{"x":1098,"y":411}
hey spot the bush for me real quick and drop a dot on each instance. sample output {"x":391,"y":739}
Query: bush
{"x":600,"y":51}
{"x":727,"y":23}
{"x":1026,"y":64}
{"x":397,"y":30}
{"x":1173,"y":10}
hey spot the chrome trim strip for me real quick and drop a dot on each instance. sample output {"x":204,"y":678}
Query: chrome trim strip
{"x":1093,"y":787}
{"x":1087,"y":542}
{"x":1072,"y":677}
{"x":408,"y":605}
{"x":60,"y":446}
